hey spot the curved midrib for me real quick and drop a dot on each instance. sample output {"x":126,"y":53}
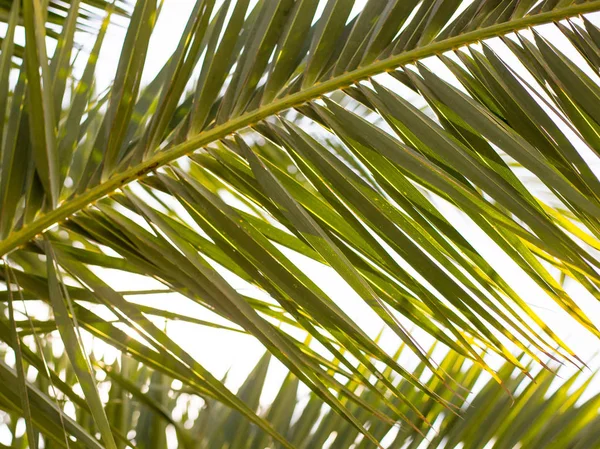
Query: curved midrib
{"x":70,"y":207}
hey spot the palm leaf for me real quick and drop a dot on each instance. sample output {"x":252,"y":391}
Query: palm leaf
{"x":303,"y":133}
{"x":61,"y":20}
{"x":58,"y":11}
{"x":539,"y":412}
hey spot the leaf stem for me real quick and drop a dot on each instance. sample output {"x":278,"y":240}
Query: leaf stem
{"x":68,"y":208}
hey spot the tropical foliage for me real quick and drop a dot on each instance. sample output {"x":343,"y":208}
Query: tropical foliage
{"x":297,"y":127}
{"x":145,"y":406}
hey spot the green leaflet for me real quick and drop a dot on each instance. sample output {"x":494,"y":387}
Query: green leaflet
{"x":67,"y":327}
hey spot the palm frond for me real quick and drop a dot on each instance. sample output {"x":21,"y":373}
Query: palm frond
{"x":58,"y":13}
{"x":302,"y":135}
{"x":537,"y":415}
{"x":539,"y":412}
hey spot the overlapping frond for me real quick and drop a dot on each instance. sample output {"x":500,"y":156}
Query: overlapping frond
{"x":61,"y":18}
{"x":538,"y":415}
{"x":147,"y":406}
{"x":288,"y":128}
